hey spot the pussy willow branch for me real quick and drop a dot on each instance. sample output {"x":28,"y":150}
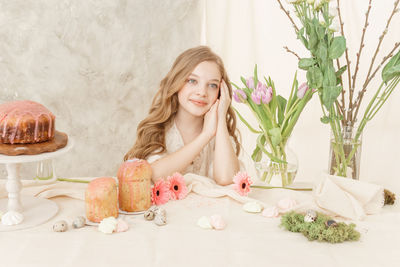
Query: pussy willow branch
{"x":288,"y":14}
{"x":361,"y":45}
{"x":348,"y":64}
{"x":369,"y":76}
{"x":361,"y":93}
{"x":292,"y":52}
{"x":380,"y":42}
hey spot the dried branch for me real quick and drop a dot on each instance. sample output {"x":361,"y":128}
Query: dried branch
{"x":361,"y":93}
{"x":367,"y":79}
{"x":361,"y":47}
{"x":290,"y":51}
{"x":288,"y":14}
{"x":347,"y":60}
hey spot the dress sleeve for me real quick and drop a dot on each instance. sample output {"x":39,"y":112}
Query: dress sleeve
{"x":154,"y":157}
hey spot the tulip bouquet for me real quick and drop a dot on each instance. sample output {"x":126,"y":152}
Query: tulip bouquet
{"x":276,"y":118}
{"x":322,"y":34}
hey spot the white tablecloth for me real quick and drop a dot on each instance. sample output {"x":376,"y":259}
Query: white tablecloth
{"x":248,"y":240}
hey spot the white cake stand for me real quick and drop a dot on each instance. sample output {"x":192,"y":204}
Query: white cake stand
{"x":27,"y":211}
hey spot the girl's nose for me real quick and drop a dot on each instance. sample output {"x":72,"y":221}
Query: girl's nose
{"x":202,"y":89}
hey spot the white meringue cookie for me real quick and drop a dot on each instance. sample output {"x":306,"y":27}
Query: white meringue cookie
{"x":253,"y":207}
{"x":271,"y":212}
{"x":122,"y":226}
{"x":286,"y":204}
{"x":217,"y":222}
{"x":204,"y":223}
{"x":108,"y":225}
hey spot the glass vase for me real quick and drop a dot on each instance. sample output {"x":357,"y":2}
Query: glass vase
{"x":345,"y":153}
{"x":279,"y":174}
{"x":44,"y":170}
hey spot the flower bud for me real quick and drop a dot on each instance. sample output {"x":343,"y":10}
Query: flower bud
{"x":250,"y":83}
{"x":301,"y":91}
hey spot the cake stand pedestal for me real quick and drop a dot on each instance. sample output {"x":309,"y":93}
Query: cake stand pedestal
{"x":25,"y":212}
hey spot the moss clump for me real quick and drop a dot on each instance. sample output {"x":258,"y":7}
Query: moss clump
{"x":317,"y":230}
{"x":390,"y":197}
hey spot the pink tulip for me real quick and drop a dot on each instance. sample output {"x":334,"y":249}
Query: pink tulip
{"x":262,"y":94}
{"x":301,"y":91}
{"x":250,"y":83}
{"x":261,"y":86}
{"x":239,"y":96}
{"x":256,"y":97}
{"x":267,"y":96}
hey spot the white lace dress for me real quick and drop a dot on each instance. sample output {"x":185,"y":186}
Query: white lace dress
{"x":201,"y":165}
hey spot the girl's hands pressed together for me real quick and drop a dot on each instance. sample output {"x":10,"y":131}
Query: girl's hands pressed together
{"x":211,"y":120}
{"x":224,"y":103}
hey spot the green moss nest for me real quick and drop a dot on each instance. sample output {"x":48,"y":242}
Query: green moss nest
{"x":317,"y":230}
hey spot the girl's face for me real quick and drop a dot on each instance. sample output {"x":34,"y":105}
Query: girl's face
{"x":200,"y":90}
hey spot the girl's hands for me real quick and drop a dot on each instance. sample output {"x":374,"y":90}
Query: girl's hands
{"x":224,"y":103}
{"x":217,"y":114}
{"x":211,"y":120}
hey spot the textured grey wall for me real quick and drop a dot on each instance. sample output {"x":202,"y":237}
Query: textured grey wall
{"x":95,"y":65}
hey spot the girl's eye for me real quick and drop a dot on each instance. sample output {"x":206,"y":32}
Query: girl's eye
{"x":192,"y":81}
{"x":214,"y":86}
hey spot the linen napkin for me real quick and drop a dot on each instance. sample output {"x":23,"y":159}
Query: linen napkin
{"x":348,"y":198}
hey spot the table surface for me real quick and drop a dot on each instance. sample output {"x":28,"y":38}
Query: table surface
{"x":248,"y":240}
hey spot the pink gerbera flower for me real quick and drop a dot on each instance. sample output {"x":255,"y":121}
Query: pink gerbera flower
{"x":242,"y":183}
{"x":160,"y":192}
{"x":177,"y":186}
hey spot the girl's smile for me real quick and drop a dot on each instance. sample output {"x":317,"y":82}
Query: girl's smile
{"x":198,"y":102}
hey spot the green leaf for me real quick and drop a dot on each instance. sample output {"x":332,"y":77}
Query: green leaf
{"x":313,"y":39}
{"x":337,"y":47}
{"x":330,"y":94}
{"x":325,"y":119}
{"x":314,"y":77}
{"x":391,"y":73}
{"x":391,"y":69}
{"x":270,"y":155}
{"x":341,"y":71}
{"x":300,"y":35}
{"x":329,"y":76}
{"x":281,"y":109}
{"x":276,"y":136}
{"x":255,"y":76}
{"x":306,"y":63}
{"x":243,"y":81}
{"x":244,"y":121}
{"x":322,"y":51}
{"x":237,"y":87}
{"x":257,"y":153}
{"x":320,"y":31}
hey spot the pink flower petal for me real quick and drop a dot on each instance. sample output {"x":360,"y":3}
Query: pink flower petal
{"x":160,"y":192}
{"x":242,"y":182}
{"x":177,"y":186}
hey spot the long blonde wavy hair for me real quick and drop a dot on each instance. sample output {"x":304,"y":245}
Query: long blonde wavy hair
{"x":150,"y":135}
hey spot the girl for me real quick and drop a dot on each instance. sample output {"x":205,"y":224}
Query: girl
{"x":191,"y":126}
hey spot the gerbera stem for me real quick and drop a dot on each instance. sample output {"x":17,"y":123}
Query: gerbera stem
{"x":272,"y":187}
